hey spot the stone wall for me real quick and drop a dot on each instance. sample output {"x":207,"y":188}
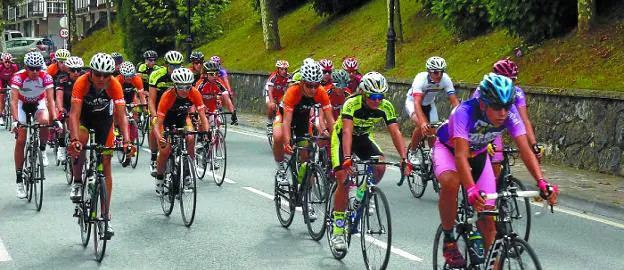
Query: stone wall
{"x":580,"y":128}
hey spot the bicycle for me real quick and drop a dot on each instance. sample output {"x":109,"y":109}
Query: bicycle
{"x":308,"y":190}
{"x":91,"y":211}
{"x":507,"y":246}
{"x":7,"y":107}
{"x":33,"y":173}
{"x":133,"y":129}
{"x":211,"y":153}
{"x":375,"y":204}
{"x":180,"y":166}
{"x":422,"y":172}
{"x":144,"y":125}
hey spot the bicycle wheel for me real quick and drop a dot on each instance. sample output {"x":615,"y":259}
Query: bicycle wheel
{"x":188,"y":191}
{"x":315,"y":201}
{"x":121,"y":156}
{"x":134,"y":160}
{"x":219,"y":157}
{"x":141,"y":128}
{"x":55,"y":150}
{"x":83,"y":216}
{"x":167,"y":199}
{"x":416,"y":184}
{"x":269,"y":134}
{"x":223,"y":125}
{"x":438,"y":243}
{"x":37,"y":178}
{"x":329,"y":223}
{"x":519,"y":210}
{"x":68,"y":167}
{"x":518,"y":254}
{"x":284,"y":201}
{"x":201,"y":157}
{"x":100,"y":219}
{"x":376,"y":235}
{"x":26,"y":174}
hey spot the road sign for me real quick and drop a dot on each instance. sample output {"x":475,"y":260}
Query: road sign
{"x":64,"y":33}
{"x":63,"y":22}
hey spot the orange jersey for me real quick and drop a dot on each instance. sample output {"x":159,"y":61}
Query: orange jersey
{"x":172,"y":106}
{"x":129,"y":87}
{"x":295,"y":100}
{"x":95,"y":100}
{"x":53,"y":69}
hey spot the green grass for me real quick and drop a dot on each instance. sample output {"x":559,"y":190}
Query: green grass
{"x":592,"y":62}
{"x":100,"y":41}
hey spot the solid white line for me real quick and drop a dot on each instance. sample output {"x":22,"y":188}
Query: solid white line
{"x":376,"y":242}
{"x":546,"y":210}
{"x":248,"y":133}
{"x":229,"y":181}
{"x":4,"y":254}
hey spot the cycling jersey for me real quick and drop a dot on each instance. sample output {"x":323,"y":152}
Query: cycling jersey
{"x":423,"y":86}
{"x":161,"y":80}
{"x":223,"y":72}
{"x":354,"y":83}
{"x":337,"y":100}
{"x":31,"y":91}
{"x":66,"y":86}
{"x":174,"y":109}
{"x":296,"y":102}
{"x":6,"y":74}
{"x":146,"y":72}
{"x":279,"y":84}
{"x":210,"y":91}
{"x":130,"y":88}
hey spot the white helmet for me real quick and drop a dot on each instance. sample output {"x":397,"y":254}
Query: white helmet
{"x":127,"y":69}
{"x":436,"y":63}
{"x":33,"y":59}
{"x":308,"y":61}
{"x":311,"y":72}
{"x":62,"y":54}
{"x":174,"y":57}
{"x":282,"y":64}
{"x":74,"y":62}
{"x":373,"y":83}
{"x":182,"y":76}
{"x":102,"y":62}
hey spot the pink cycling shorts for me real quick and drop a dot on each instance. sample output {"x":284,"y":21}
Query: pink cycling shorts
{"x":444,"y":161}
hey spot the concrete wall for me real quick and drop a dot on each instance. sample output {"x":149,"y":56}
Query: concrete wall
{"x":580,"y":128}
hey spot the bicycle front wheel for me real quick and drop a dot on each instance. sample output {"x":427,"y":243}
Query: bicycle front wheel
{"x":520,"y":211}
{"x":37,"y":177}
{"x":315,"y":202}
{"x":518,"y":254}
{"x":188,"y":191}
{"x":27,"y":174}
{"x":219,"y":157}
{"x":100,"y":220}
{"x":416,"y":184}
{"x":83,"y":216}
{"x":143,"y":119}
{"x":376,"y":235}
{"x":284,"y":202}
{"x":201,"y":157}
{"x":134,"y":160}
{"x":167,"y":199}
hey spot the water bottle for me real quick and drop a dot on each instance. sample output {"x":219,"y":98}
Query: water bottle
{"x":90,"y":193}
{"x":301,"y":171}
{"x":359,"y":195}
{"x":476,"y":242}
{"x":352,"y":191}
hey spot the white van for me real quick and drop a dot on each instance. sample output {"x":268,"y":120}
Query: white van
{"x":12,"y":34}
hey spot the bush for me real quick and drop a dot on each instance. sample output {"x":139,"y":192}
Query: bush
{"x":464,"y":18}
{"x":283,"y":6}
{"x":534,"y":20}
{"x":427,"y":5}
{"x":329,"y":7}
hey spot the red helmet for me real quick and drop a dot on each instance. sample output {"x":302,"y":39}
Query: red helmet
{"x":6,"y":57}
{"x":506,"y":68}
{"x":282,"y":64}
{"x":350,"y":64}
{"x":326,"y":64}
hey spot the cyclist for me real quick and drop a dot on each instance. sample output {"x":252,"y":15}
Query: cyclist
{"x":31,"y":94}
{"x":159,"y":82}
{"x":211,"y":87}
{"x":353,"y":135}
{"x":327,"y":66}
{"x":146,"y":68}
{"x":131,"y":85}
{"x":351,"y":65}
{"x":118,"y":60}
{"x":7,"y":70}
{"x":173,"y":110}
{"x":274,"y":89}
{"x":58,"y":70}
{"x":197,"y":61}
{"x":63,"y":98}
{"x":229,"y":99}
{"x":293,"y":116}
{"x":337,"y":92}
{"x":509,"y":69}
{"x":295,"y":77}
{"x":460,"y":157}
{"x":420,"y":102}
{"x":93,"y":97}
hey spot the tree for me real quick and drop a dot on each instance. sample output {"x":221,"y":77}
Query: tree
{"x":4,"y":5}
{"x":270,"y":29}
{"x":108,"y":17}
{"x":586,"y":14}
{"x":397,"y":20}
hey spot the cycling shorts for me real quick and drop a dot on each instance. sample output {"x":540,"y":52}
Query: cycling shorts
{"x":430,"y":111}
{"x":102,"y":126}
{"x":300,"y":124}
{"x":24,"y":109}
{"x":361,"y":145}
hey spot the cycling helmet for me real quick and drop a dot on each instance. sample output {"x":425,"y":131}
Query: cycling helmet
{"x":150,"y":54}
{"x":506,"y":68}
{"x":33,"y":59}
{"x":174,"y":58}
{"x":197,"y":56}
{"x":118,"y":58}
{"x":373,"y":83}
{"x":62,"y":54}
{"x":182,"y":76}
{"x":326,"y":64}
{"x":6,"y":57}
{"x":350,"y":64}
{"x":435,"y":63}
{"x":311,"y":73}
{"x":497,"y":89}
{"x":282,"y":64}
{"x":74,"y":62}
{"x":127,"y":69}
{"x":308,"y":61}
{"x":211,"y":66}
{"x":340,"y":78}
{"x":102,"y":62}
{"x":216,"y":59}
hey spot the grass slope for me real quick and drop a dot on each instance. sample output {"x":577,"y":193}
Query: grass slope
{"x":100,"y":41}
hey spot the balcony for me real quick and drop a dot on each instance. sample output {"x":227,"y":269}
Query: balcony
{"x":57,"y":7}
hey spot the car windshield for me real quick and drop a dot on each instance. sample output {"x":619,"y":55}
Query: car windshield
{"x":18,"y":43}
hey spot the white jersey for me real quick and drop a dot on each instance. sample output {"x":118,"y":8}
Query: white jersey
{"x":422,"y":84}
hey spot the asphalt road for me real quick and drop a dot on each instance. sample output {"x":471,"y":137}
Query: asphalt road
{"x":236,"y":226}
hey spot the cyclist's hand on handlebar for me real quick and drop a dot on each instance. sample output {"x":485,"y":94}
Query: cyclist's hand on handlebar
{"x":129,"y":149}
{"x":548,"y":191}
{"x":288,"y":149}
{"x":426,"y":130}
{"x":347,"y":165}
{"x":491,"y":149}
{"x":14,"y":126}
{"x":476,"y":198}
{"x":74,"y":148}
{"x":406,"y":167}
{"x":538,"y":150}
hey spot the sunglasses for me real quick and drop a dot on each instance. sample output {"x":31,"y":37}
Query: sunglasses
{"x":74,"y":70}
{"x":498,"y":107}
{"x":33,"y":68}
{"x":436,"y":72}
{"x":103,"y":75}
{"x":311,"y":85}
{"x":183,"y":87}
{"x":150,"y":60}
{"x":213,"y":73}
{"x":175,"y":66}
{"x":327,"y":71}
{"x":375,"y":97}
{"x":340,"y":85}
{"x":128,"y":76}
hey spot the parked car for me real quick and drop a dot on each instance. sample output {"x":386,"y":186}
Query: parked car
{"x":20,"y":46}
{"x":12,"y":34}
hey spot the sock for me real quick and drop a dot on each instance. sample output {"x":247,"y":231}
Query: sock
{"x":154,"y":154}
{"x":338,"y":222}
{"x":449,"y":236}
{"x":18,"y":174}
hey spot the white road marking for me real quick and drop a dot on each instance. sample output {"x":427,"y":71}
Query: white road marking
{"x":546,"y":211}
{"x":376,"y":242}
{"x":248,"y":133}
{"x":4,"y":254}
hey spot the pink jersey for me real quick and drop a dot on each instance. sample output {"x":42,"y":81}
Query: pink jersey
{"x":7,"y":73}
{"x":31,"y":90}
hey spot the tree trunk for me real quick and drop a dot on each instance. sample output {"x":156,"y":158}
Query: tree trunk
{"x":586,"y":15}
{"x":73,"y":36}
{"x":397,"y":20}
{"x":270,"y":30}
{"x":109,"y":25}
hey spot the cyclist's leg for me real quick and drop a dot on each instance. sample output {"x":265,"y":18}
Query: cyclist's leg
{"x":482,"y":170}
{"x":278,"y":139}
{"x":190,"y":139}
{"x":432,"y":118}
{"x":446,"y":172}
{"x":83,"y":137}
{"x":43,"y":118}
{"x":365,"y":147}
{"x":340,"y":196}
{"x":20,"y":143}
{"x":2,"y":97}
{"x":153,"y":144}
{"x":104,"y":136}
{"x":163,"y":155}
{"x":417,"y":133}
{"x":497,"y":159}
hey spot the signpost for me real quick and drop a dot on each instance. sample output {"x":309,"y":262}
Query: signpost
{"x":64,"y":34}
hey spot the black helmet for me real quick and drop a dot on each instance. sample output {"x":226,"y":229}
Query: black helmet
{"x":150,"y":54}
{"x":197,"y":56}
{"x":211,"y":66}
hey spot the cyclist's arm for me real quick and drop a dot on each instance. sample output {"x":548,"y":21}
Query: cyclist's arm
{"x":14,"y":98}
{"x":527,"y":156}
{"x":462,"y":153}
{"x":270,"y":93}
{"x":137,"y":82}
{"x":120,"y":118}
{"x":203,"y":120}
{"x":347,"y":136}
{"x":329,"y":119}
{"x":226,"y":82}
{"x":288,"y":114}
{"x":397,"y":139}
{"x":50,"y":103}
{"x":74,"y":118}
{"x":527,"y":124}
{"x":59,"y":99}
{"x":152,"y":101}
{"x":158,"y":128}
{"x":454,"y":100}
{"x":418,"y":98}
